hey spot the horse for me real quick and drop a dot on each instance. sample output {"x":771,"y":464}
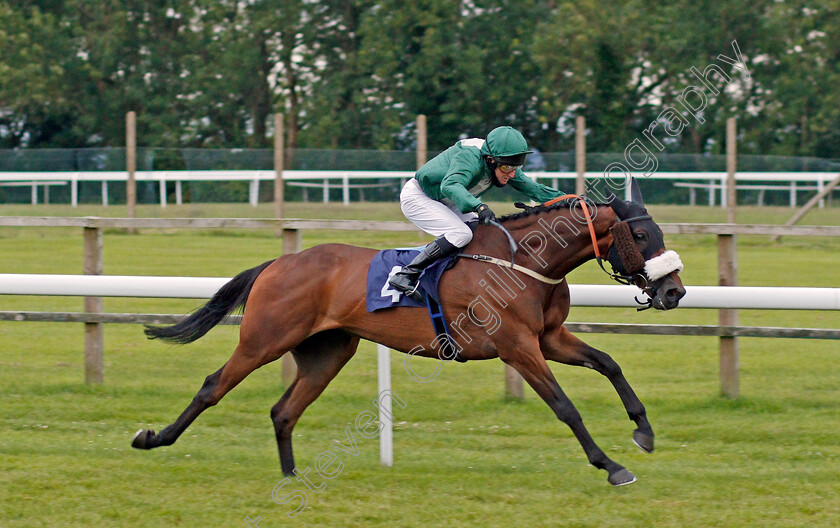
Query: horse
{"x":312,"y":304}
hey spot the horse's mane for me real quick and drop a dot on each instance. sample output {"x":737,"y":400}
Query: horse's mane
{"x":528,"y":210}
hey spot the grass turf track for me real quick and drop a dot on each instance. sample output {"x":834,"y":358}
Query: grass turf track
{"x":463,"y":455}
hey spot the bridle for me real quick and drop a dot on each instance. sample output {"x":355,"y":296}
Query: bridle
{"x":636,"y":277}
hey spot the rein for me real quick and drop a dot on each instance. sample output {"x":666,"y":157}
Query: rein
{"x":513,"y":247}
{"x":517,"y":267}
{"x":509,"y":263}
{"x":622,"y":279}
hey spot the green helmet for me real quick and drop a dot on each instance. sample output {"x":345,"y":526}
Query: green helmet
{"x":507,"y":146}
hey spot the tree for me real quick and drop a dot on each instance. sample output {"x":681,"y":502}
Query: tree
{"x":800,"y":72}
{"x":35,"y":56}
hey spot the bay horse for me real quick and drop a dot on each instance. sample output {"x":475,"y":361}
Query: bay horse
{"x":312,"y":304}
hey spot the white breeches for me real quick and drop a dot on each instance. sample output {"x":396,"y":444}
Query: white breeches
{"x":434,"y":217}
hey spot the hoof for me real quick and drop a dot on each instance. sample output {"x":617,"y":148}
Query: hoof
{"x":621,"y":477}
{"x":141,"y":439}
{"x":643,"y":441}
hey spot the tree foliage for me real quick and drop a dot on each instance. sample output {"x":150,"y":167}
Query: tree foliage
{"x":355,"y":73}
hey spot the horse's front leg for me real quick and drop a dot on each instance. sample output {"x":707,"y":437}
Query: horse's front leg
{"x":533,"y":368}
{"x":563,"y":347}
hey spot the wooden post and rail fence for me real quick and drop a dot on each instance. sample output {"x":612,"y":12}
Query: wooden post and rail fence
{"x":727,"y":331}
{"x":290,"y":230}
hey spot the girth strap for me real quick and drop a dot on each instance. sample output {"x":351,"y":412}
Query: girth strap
{"x":517,"y":267}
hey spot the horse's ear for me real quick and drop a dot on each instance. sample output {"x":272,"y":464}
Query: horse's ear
{"x":618,"y":205}
{"x":635,"y":192}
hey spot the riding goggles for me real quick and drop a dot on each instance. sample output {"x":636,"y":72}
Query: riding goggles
{"x":507,"y":169}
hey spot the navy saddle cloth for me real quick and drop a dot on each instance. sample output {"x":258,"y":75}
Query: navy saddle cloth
{"x":380,"y":294}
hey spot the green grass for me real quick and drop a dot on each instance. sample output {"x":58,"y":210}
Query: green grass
{"x":463,"y":454}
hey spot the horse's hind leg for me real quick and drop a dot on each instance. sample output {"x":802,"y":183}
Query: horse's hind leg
{"x":246,"y":358}
{"x":147,"y":439}
{"x":564,"y":347}
{"x":319,"y":359}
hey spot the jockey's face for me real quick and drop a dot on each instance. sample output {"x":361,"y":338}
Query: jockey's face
{"x":504,"y":177}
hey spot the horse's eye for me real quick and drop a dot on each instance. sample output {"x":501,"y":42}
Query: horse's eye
{"x":641,"y":236}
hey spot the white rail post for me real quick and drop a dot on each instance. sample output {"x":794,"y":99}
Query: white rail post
{"x":345,"y":189}
{"x":386,"y":435}
{"x":105,"y":192}
{"x":254,"y":192}
{"x":724,"y":191}
{"x":162,"y":192}
{"x":94,"y":341}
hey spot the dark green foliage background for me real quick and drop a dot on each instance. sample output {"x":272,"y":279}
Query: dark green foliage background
{"x":353,"y":74}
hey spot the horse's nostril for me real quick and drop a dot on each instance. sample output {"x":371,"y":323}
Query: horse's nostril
{"x":674,"y":294}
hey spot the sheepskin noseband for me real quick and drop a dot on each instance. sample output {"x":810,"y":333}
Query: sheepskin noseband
{"x":658,"y":267}
{"x":628,"y":252}
{"x":632,"y":261}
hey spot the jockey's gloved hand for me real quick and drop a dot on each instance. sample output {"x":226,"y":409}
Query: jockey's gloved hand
{"x":485,"y":215}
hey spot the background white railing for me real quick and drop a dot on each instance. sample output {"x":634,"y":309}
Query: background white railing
{"x":713,"y":297}
{"x":791,"y":182}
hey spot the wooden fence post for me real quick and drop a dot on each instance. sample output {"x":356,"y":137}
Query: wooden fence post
{"x":514,"y":385}
{"x":728,"y":276}
{"x":278,"y":168}
{"x":131,"y":166}
{"x":291,"y":244}
{"x":580,"y":155}
{"x":94,"y":341}
{"x":728,"y":271}
{"x":731,"y":162}
{"x":422,"y":151}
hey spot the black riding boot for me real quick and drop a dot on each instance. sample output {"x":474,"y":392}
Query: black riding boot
{"x":406,"y":280}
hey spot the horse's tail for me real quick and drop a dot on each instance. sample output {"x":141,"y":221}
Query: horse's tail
{"x":229,"y":297}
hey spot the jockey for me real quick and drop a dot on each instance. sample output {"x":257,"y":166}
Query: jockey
{"x":442,"y":196}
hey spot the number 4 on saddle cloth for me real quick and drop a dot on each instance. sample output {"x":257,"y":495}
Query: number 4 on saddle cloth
{"x":380,"y":295}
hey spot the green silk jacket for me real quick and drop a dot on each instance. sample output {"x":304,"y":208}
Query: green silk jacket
{"x":459,"y":175}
